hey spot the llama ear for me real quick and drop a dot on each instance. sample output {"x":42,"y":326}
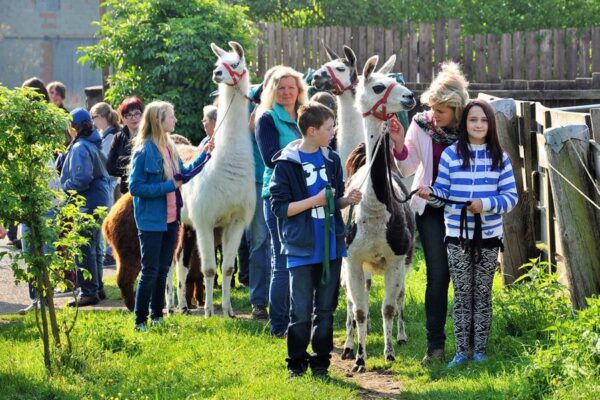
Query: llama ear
{"x":237,"y":48}
{"x":389,"y":64}
{"x":350,"y":55}
{"x":370,"y":66}
{"x":217,"y":50}
{"x":330,"y":53}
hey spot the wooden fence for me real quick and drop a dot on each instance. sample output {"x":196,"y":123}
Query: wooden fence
{"x":556,"y":159}
{"x":551,"y":54}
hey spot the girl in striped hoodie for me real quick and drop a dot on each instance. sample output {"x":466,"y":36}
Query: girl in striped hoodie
{"x":475,"y":170}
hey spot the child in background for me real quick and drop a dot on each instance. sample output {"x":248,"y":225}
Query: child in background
{"x":476,"y":169}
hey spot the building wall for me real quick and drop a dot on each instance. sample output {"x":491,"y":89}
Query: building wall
{"x":41,"y":37}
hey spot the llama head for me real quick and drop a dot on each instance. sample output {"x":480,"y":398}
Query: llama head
{"x":337,"y":75}
{"x":380,"y":95}
{"x":231,"y":66}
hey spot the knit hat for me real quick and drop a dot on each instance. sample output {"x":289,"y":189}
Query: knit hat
{"x":80,"y":115}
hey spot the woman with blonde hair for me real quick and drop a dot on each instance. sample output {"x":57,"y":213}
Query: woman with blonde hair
{"x":276,"y":126}
{"x":429,"y":134}
{"x":154,"y":182}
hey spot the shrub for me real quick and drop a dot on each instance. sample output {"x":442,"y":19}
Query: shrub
{"x":159,"y":49}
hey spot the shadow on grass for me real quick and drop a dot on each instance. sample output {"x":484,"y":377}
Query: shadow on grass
{"x":20,"y":330}
{"x":18,"y":386}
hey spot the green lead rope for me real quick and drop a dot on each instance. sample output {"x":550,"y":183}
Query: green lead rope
{"x":329,"y":210}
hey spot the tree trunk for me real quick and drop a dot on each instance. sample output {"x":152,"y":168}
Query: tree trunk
{"x":519,"y":233}
{"x":578,"y":220}
{"x":45,"y":336}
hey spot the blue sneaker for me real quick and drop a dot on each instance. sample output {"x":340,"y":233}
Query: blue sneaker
{"x":458,"y":359}
{"x":479,"y":357}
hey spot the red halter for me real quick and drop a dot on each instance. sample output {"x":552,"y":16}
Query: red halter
{"x":237,"y":77}
{"x":383,"y":114}
{"x":338,"y":87}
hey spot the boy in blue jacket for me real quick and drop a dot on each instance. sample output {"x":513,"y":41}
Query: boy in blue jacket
{"x":307,"y":188}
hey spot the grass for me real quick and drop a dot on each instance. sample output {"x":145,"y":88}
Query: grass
{"x":221,"y":358}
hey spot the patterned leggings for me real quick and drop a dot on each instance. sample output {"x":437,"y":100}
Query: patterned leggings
{"x":472,"y":297}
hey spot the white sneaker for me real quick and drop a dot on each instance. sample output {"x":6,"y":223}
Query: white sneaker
{"x":30,"y":307}
{"x":69,"y":293}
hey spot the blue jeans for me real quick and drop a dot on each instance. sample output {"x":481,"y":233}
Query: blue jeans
{"x":92,"y":262}
{"x":279,"y":292}
{"x":310,"y":297}
{"x":257,"y":236}
{"x":432,"y":232}
{"x":157,"y":254}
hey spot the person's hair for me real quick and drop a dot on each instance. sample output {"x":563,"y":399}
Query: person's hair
{"x":37,"y":84}
{"x":59,"y":87}
{"x":313,"y":114}
{"x":85,"y":128}
{"x":449,"y":88}
{"x":104,"y":110}
{"x":326,"y":99}
{"x":491,"y":137}
{"x":151,"y":129}
{"x":210,"y":112}
{"x":268,"y":96}
{"x":130,"y":104}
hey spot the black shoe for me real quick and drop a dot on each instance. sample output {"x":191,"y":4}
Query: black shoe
{"x":259,"y":313}
{"x":101,"y":294}
{"x":320,"y":372}
{"x":295,"y":373}
{"x":296,"y":368}
{"x":434,"y":355}
{"x":84,"y":301}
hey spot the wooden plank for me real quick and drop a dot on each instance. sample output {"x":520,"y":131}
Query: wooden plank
{"x":348,"y":36}
{"x":363,"y":46}
{"x":526,"y":143}
{"x":542,"y":116}
{"x":468,"y":57}
{"x":370,"y":41}
{"x":378,"y":43}
{"x":595,"y":117}
{"x":389,"y":44}
{"x":440,"y":41}
{"x":285,"y":48}
{"x":315,"y":45}
{"x":531,"y":55}
{"x":405,"y":60}
{"x":493,"y":58}
{"x":506,"y":56}
{"x":293,"y":44}
{"x":334,"y":39}
{"x":354,"y":43}
{"x":454,"y":40}
{"x":595,"y":49}
{"x":307,"y":46}
{"x":260,"y":51}
{"x":545,"y":54}
{"x":480,"y":73}
{"x":271,"y":42}
{"x":397,"y":47}
{"x":571,"y":54}
{"x":559,"y":53}
{"x":413,"y":67}
{"x":425,"y":53}
{"x":584,"y":54}
{"x":518,"y":56}
{"x":278,"y":44}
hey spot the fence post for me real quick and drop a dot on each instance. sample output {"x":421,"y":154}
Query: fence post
{"x":578,"y":219}
{"x":519,"y":227}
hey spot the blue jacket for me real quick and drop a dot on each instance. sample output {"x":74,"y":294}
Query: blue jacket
{"x":149,"y":187}
{"x":288,"y":184}
{"x":84,"y":170}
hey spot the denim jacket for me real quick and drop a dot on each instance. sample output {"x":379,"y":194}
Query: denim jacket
{"x":288,"y":185}
{"x":149,"y":187}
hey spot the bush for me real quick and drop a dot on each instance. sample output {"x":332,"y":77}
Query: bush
{"x":159,"y":49}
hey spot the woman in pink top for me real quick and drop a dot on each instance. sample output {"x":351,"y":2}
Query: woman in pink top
{"x":419,"y":153}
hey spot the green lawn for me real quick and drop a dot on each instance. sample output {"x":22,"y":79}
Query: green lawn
{"x":192,"y":357}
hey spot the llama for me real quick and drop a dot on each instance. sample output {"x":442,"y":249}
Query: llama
{"x":381,"y":236}
{"x":223,"y":195}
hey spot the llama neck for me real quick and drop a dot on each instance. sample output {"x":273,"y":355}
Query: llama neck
{"x":351,"y":129}
{"x":232,"y":121}
{"x":377,"y":182}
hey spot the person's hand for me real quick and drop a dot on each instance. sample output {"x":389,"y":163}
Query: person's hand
{"x":396,"y":133}
{"x":178,"y":183}
{"x":476,"y":206}
{"x":321,"y":197}
{"x":424,"y":192}
{"x":354,"y":197}
{"x":209,"y":147}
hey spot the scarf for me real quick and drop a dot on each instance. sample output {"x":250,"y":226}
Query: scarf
{"x":444,"y":136}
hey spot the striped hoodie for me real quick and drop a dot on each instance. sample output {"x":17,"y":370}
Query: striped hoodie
{"x":496,"y":189}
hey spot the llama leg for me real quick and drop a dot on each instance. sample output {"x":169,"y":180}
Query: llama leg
{"x":127,"y":271}
{"x":169,"y":290}
{"x":206,"y":246}
{"x":388,"y":308}
{"x":348,"y":352}
{"x":402,"y":338}
{"x":368,"y":283}
{"x":182,"y":273}
{"x":232,"y":235}
{"x":359,"y":297}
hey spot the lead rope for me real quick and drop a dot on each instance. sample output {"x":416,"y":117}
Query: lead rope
{"x":329,"y":210}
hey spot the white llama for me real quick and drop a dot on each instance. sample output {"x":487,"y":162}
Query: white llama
{"x":223,"y":195}
{"x":381,"y":237}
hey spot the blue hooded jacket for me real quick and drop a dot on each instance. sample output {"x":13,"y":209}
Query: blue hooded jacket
{"x":84,"y":170}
